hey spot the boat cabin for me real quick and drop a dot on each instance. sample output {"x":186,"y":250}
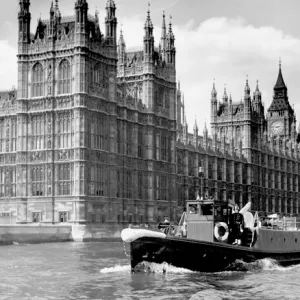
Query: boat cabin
{"x":203,"y":216}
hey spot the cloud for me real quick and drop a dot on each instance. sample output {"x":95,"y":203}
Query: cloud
{"x":229,"y":50}
{"x":8,"y":63}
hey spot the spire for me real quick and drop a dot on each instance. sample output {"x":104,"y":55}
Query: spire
{"x":205,"y":128}
{"x":97,"y":16}
{"x":121,"y":39}
{"x":195,"y":125}
{"x":111,"y":23}
{"x":247,"y":88}
{"x":148,"y":23}
{"x":110,"y":4}
{"x":225,"y":96}
{"x":280,"y":82}
{"x":163,"y":28}
{"x":257,"y":91}
{"x":214,"y":92}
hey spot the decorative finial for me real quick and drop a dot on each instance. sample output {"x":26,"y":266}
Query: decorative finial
{"x":279,"y":62}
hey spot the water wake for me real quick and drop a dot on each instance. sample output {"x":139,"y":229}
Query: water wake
{"x":116,"y":269}
{"x":151,"y":267}
{"x":265,"y":264}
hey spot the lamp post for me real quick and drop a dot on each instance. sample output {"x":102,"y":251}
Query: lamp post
{"x":200,"y":174}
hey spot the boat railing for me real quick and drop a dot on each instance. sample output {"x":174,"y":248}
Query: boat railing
{"x":284,"y":223}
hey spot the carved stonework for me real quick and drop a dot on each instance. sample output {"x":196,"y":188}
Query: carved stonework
{"x":36,"y":156}
{"x":64,"y":154}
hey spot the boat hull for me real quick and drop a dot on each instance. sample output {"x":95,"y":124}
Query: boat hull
{"x":201,"y":256}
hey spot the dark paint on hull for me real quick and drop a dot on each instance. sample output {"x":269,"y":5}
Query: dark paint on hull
{"x":201,"y":256}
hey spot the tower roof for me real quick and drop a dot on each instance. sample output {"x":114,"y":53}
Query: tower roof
{"x":280,"y":82}
{"x":214,"y":92}
{"x":257,"y":91}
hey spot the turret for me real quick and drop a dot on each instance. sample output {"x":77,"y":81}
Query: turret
{"x":81,"y":11}
{"x":247,"y":98}
{"x":121,"y":49}
{"x":148,"y":39}
{"x":214,"y":101}
{"x":163,"y":39}
{"x":24,"y":17}
{"x":171,"y":51}
{"x":195,"y":129}
{"x":257,"y":105}
{"x":55,"y":18}
{"x":225,"y":96}
{"x":111,"y":23}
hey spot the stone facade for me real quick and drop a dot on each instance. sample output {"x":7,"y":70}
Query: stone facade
{"x":83,"y":142}
{"x":96,"y":132}
{"x":250,"y":156}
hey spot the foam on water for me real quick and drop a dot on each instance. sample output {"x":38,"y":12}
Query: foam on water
{"x":146,"y":267}
{"x":116,"y":269}
{"x":265,"y":264}
{"x":151,"y":267}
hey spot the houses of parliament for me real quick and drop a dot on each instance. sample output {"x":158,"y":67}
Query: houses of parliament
{"x":97,"y":133}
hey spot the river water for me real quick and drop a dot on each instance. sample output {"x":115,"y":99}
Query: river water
{"x":101,"y":270}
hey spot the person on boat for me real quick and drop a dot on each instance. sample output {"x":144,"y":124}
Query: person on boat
{"x":236,"y":225}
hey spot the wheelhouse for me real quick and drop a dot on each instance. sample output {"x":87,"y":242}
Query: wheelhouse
{"x":204,"y":216}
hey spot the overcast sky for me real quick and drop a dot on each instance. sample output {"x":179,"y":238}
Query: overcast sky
{"x":226,"y":40}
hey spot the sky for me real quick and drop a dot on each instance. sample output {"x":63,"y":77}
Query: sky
{"x":223,"y":40}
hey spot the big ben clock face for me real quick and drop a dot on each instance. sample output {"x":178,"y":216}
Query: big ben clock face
{"x":277,"y":127}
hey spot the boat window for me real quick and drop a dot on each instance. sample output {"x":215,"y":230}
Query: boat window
{"x":207,"y":210}
{"x":193,"y":208}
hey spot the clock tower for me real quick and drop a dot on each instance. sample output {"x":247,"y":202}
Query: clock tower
{"x":281,"y":117}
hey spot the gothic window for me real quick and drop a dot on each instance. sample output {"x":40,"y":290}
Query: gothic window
{"x":64,"y":179}
{"x":2,"y":137}
{"x":98,"y":76}
{"x":220,"y":168}
{"x":38,"y":181}
{"x":64,"y":77}
{"x":180,"y":167}
{"x":37,"y":138}
{"x":37,"y":80}
{"x":237,"y":176}
{"x":161,"y":187}
{"x":237,"y":134}
{"x":140,"y":142}
{"x":119,"y":184}
{"x":164,"y":147}
{"x":129,"y":139}
{"x":164,"y":187}
{"x":191,"y":165}
{"x":119,"y":139}
{"x":128,"y":184}
{"x":210,"y":168}
{"x":140,"y":185}
{"x":14,"y":137}
{"x":64,"y":132}
{"x":98,"y":180}
{"x":13,"y":183}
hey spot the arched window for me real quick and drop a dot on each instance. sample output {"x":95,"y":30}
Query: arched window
{"x":37,"y":80}
{"x":64,"y":77}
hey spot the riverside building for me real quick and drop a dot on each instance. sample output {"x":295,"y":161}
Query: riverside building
{"x":96,"y":132}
